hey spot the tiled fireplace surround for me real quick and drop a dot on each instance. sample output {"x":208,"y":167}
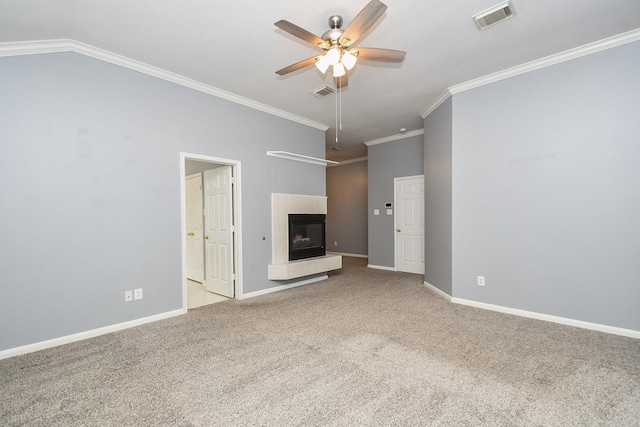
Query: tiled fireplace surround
{"x":281,"y":268}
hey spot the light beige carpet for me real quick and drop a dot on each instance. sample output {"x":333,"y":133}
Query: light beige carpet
{"x":366,"y":347}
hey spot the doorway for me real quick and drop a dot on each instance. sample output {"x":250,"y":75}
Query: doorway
{"x":409,"y":224}
{"x":222,"y":248}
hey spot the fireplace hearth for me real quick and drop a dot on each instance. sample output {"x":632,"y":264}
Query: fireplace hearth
{"x":306,"y":236}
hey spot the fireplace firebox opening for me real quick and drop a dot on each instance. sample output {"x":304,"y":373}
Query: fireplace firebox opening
{"x":306,"y":236}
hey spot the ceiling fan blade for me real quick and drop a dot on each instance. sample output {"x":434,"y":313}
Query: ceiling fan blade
{"x":383,"y":55}
{"x":298,"y":65}
{"x":362,"y":22}
{"x":301,"y":33}
{"x":341,"y":81}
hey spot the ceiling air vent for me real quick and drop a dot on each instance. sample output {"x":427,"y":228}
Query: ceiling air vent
{"x":322,"y":91}
{"x":494,"y":15}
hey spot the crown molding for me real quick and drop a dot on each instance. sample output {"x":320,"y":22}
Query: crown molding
{"x":395,"y":137}
{"x":550,"y":60}
{"x":68,"y":45}
{"x":34,"y":47}
{"x":436,"y":103}
{"x":547,"y":61}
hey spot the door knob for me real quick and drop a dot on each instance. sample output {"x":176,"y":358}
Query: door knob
{"x":398,"y":230}
{"x":206,"y":237}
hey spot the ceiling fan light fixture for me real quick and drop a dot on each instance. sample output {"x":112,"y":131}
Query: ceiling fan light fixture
{"x":333,"y":55}
{"x":348,"y":59}
{"x":338,"y":70}
{"x":323,"y":64}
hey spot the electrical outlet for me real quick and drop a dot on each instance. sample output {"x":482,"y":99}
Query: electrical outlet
{"x":137,"y":294}
{"x":335,"y":243}
{"x":480,"y":280}
{"x":128,"y":296}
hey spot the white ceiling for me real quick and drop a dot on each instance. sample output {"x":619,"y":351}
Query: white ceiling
{"x":234,"y":46}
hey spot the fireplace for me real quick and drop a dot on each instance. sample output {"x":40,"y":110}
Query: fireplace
{"x":319,"y":263}
{"x":306,"y":236}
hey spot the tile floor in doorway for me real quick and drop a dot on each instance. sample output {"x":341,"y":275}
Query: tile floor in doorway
{"x":197,"y":295}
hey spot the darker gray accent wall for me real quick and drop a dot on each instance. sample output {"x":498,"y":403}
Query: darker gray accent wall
{"x":90,"y":190}
{"x":404,"y":157}
{"x":546,"y":190}
{"x":438,"y":140}
{"x":347,"y":208}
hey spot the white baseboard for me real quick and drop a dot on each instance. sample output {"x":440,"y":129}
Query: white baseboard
{"x":283,"y":287}
{"x":549,"y":318}
{"x":381,"y":267}
{"x":347,"y":254}
{"x":443,"y":294}
{"x":538,"y":316}
{"x":30,"y":348}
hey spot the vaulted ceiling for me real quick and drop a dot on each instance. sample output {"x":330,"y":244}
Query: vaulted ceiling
{"x":234,"y":46}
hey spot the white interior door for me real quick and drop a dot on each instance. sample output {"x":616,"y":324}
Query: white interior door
{"x":409,"y":220}
{"x":218,"y":234}
{"x":194,"y":223}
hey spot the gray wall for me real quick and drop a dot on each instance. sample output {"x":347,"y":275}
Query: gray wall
{"x":404,"y":157}
{"x":347,"y":208}
{"x":90,"y":189}
{"x":546,"y":190}
{"x":438,"y":139}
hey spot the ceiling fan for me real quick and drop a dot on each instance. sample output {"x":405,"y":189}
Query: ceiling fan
{"x":337,"y":44}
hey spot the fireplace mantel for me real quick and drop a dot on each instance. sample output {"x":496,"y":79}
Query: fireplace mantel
{"x":281,"y":268}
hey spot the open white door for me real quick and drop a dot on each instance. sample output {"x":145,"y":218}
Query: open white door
{"x":218,"y":234}
{"x":409,"y":219}
{"x":194,"y":227}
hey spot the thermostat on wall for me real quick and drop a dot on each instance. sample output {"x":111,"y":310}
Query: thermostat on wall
{"x":388,"y":205}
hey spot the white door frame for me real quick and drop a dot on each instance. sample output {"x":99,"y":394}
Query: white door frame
{"x":237,"y":219}
{"x":395,"y":224}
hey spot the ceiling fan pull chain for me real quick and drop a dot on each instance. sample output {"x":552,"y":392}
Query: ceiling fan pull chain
{"x":337,"y":117}
{"x":340,"y":95}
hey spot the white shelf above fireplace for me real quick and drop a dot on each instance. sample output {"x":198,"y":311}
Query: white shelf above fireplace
{"x":301,"y":158}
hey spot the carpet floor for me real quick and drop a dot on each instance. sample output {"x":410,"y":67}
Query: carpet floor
{"x":365,"y":347}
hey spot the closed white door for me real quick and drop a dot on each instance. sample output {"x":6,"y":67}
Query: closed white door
{"x":409,"y":222}
{"x":218,"y":234}
{"x":194,"y":235}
